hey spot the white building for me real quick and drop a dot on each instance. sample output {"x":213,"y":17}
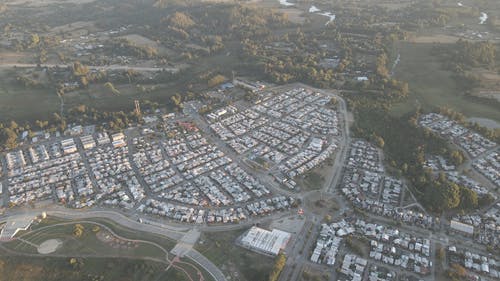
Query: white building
{"x":462,"y":227}
{"x":262,"y":240}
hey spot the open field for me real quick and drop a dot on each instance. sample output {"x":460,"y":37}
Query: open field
{"x":20,"y":103}
{"x":55,"y":269}
{"x":98,"y":245}
{"x":89,"y":244}
{"x":313,"y":181}
{"x":17,"y":102}
{"x":42,"y":3}
{"x":431,"y":86}
{"x":240,"y":263}
{"x":117,"y":228}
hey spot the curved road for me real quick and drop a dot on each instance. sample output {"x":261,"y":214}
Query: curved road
{"x":171,"y":232}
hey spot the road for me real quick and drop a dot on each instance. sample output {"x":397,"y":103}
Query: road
{"x":105,"y":67}
{"x":299,"y":252}
{"x":206,"y":264}
{"x":298,"y":259}
{"x":170,"y":262}
{"x":263,"y":176}
{"x":171,"y":232}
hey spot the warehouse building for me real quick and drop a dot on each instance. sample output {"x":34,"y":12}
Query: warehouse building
{"x":265,"y":241}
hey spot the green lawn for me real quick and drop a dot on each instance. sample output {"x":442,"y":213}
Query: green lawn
{"x":313,"y":181}
{"x":87,"y":244}
{"x":95,"y":252}
{"x":431,"y":86}
{"x":166,"y":243}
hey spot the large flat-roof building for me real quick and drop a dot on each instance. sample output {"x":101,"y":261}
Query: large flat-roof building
{"x":462,"y":227}
{"x":265,"y":241}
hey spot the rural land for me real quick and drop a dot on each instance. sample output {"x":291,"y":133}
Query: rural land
{"x":249,"y":140}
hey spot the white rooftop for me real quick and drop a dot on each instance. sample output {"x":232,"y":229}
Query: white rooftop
{"x":270,"y":242}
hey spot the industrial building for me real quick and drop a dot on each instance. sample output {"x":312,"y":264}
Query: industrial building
{"x":265,"y":241}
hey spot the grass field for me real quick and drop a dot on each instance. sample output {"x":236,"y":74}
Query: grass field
{"x":240,"y":263}
{"x":94,"y":251}
{"x":86,"y":245}
{"x":56,"y":269}
{"x":17,"y":102}
{"x":431,"y":86}
{"x":313,"y":180}
{"x":116,"y":228}
{"x":22,"y":104}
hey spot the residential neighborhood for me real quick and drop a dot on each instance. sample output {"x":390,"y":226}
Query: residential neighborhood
{"x":169,"y":168}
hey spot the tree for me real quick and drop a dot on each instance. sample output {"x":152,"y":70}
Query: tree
{"x":379,"y":141}
{"x":457,"y":157}
{"x":8,"y":138}
{"x":441,"y":254}
{"x":13,"y":125}
{"x":468,"y":198}
{"x":78,"y":230}
{"x":381,"y":66}
{"x":457,"y":272}
{"x":279,"y":264}
{"x":76,"y":263}
{"x":449,"y":195}
{"x":328,"y":219}
{"x":111,"y":88}
{"x":333,"y":101}
{"x":79,"y":69}
{"x":486,"y":200}
{"x":84,"y":81}
{"x":216,"y":80}
{"x":176,"y":99}
{"x":181,"y":20}
{"x":34,"y":40}
{"x":41,"y":124}
{"x":440,"y":194}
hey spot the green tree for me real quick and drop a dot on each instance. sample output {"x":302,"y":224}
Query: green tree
{"x":449,"y":195}
{"x":457,"y":157}
{"x":468,"y":199}
{"x":486,"y":200}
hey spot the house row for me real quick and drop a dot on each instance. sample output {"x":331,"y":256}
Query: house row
{"x":473,"y":143}
{"x":489,"y":166}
